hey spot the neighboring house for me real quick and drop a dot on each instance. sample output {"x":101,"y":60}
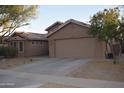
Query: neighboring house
{"x":71,"y":39}
{"x":29,"y":44}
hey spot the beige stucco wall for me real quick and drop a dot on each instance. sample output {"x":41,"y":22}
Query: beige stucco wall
{"x":36,"y":49}
{"x":69,"y":31}
{"x":74,"y":36}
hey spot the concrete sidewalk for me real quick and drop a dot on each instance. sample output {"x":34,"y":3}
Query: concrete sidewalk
{"x":22,"y":79}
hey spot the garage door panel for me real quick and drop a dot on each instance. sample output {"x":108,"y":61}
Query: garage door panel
{"x":79,"y":48}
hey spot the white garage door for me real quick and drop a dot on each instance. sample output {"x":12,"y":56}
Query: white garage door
{"x":78,"y":48}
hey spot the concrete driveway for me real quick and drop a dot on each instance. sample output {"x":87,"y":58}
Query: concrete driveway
{"x":49,"y":70}
{"x":51,"y":66}
{"x":28,"y":75}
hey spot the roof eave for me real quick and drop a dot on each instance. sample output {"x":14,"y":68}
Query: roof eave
{"x":57,"y":22}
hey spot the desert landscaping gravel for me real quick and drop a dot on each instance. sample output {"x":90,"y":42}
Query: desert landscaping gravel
{"x":7,"y":63}
{"x":100,"y":70}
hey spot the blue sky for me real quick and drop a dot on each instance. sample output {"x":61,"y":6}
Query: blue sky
{"x":48,"y":14}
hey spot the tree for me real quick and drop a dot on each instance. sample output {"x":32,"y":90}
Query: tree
{"x":121,"y":35}
{"x":105,"y":25}
{"x":15,"y":16}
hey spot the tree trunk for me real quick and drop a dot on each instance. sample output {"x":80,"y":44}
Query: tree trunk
{"x":106,"y":48}
{"x":112,"y":50}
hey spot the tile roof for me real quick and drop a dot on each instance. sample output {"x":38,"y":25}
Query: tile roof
{"x":30,"y":35}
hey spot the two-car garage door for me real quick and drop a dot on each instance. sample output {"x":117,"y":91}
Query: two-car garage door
{"x":77,"y":48}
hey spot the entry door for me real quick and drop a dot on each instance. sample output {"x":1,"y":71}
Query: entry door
{"x":15,"y":45}
{"x":20,"y":47}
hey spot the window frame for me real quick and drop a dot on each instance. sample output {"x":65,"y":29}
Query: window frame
{"x":19,"y":48}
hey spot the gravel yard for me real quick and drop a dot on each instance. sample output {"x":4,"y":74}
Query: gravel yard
{"x":13,"y":62}
{"x":104,"y":70}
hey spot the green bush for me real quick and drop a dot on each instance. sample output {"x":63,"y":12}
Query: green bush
{"x":2,"y":51}
{"x":8,"y":51}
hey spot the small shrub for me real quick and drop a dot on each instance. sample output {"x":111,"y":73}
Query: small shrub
{"x":2,"y":51}
{"x":8,"y":51}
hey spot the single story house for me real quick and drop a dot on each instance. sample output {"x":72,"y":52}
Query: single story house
{"x":28,"y":44}
{"x":71,"y":39}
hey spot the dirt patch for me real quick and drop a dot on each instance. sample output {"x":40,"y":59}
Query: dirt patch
{"x":104,"y":70}
{"x":56,"y":85}
{"x":12,"y":62}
